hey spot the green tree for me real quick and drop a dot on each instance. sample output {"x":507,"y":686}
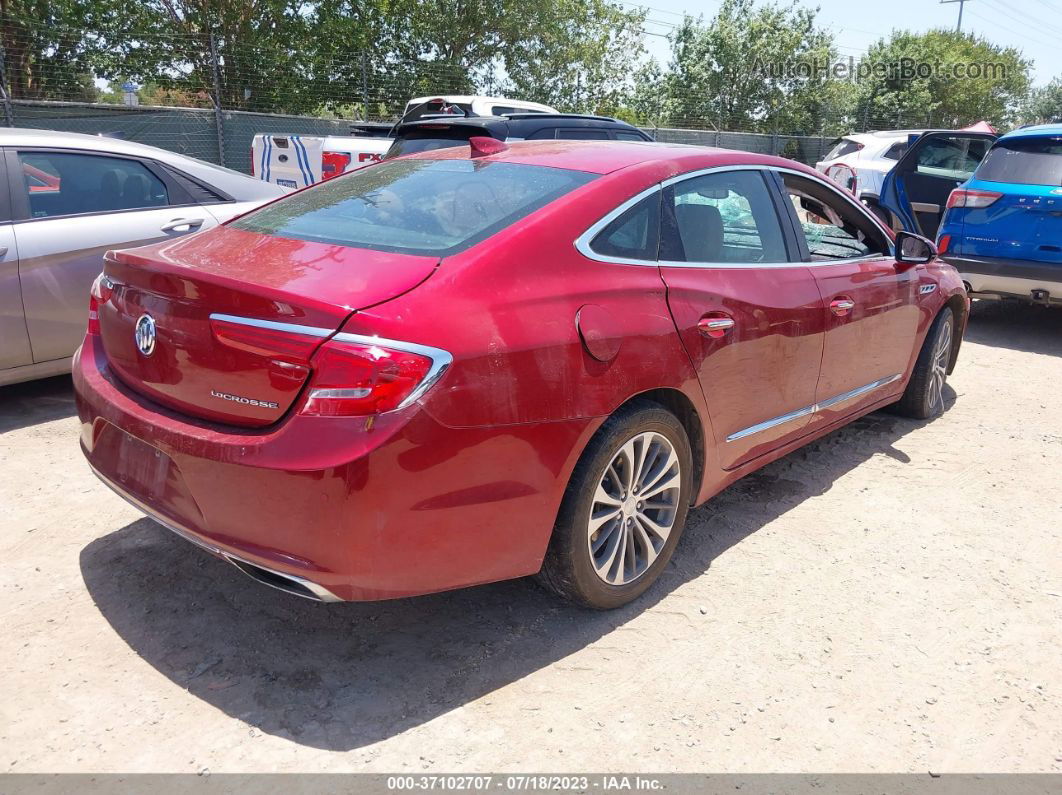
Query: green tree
{"x":47,"y":51}
{"x":752,"y":67}
{"x":1044,"y":103}
{"x":580,"y":56}
{"x":937,"y":98}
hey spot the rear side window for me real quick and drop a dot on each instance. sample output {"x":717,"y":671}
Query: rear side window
{"x":624,"y":135}
{"x":1024,"y":161}
{"x":634,"y":235}
{"x":843,"y":147}
{"x":430,"y":207}
{"x":70,"y":183}
{"x":199,"y":192}
{"x":724,"y":217}
{"x":896,"y":151}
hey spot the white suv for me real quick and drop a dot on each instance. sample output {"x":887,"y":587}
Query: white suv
{"x":859,"y":162}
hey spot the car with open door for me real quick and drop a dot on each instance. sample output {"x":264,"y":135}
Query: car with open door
{"x":488,"y":361}
{"x":67,"y":198}
{"x":1002,"y":228}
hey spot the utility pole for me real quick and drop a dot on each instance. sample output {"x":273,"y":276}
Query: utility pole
{"x":958,"y":27}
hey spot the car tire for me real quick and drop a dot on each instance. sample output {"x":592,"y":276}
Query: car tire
{"x":606,"y":548}
{"x":924,"y":396}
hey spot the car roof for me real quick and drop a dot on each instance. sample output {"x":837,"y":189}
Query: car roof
{"x":882,"y":136}
{"x":1035,"y":131}
{"x":604,"y":157}
{"x":240,"y":186}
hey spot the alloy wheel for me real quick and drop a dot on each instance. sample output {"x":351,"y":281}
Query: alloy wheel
{"x":634,"y":508}
{"x":939,"y":367}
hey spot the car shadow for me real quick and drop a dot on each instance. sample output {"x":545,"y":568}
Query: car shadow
{"x":1016,"y":325}
{"x":343,"y":676}
{"x":34,"y":402}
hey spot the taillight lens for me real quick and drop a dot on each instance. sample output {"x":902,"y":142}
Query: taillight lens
{"x":99,"y":294}
{"x":286,"y":343}
{"x":358,"y":378}
{"x":971,"y":199}
{"x":334,"y":163}
{"x":943,"y":243}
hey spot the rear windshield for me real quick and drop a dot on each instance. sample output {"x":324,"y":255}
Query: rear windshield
{"x":426,"y":140}
{"x":431,"y":207}
{"x":1024,"y":161}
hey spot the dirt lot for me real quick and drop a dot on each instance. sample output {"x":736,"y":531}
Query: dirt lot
{"x":888,"y":599}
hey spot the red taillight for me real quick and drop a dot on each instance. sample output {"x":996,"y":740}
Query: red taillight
{"x":354,"y":376}
{"x":273,"y":339}
{"x":334,"y":163}
{"x":971,"y":199}
{"x":943,"y":243}
{"x":99,"y":294}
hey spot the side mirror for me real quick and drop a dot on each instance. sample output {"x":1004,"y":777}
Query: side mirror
{"x":912,"y":249}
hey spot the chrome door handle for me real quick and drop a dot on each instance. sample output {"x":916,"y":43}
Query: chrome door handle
{"x":715,"y":326}
{"x":842,"y":306}
{"x":177,"y":223}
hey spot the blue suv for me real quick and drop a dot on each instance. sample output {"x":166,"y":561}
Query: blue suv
{"x":993,"y":205}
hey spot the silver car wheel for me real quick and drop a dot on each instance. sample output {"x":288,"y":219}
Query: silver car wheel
{"x":634,"y":508}
{"x":939,"y":366}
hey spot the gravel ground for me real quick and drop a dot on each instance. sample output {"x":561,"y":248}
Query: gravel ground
{"x":887,"y":599}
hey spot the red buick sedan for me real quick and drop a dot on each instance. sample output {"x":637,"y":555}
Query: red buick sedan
{"x":486,"y":362}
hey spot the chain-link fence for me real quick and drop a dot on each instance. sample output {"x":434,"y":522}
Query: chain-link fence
{"x":207,"y":95}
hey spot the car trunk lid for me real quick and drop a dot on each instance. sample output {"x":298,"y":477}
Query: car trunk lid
{"x":233,"y":317}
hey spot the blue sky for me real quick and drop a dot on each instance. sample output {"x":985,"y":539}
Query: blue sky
{"x":1032,"y":26}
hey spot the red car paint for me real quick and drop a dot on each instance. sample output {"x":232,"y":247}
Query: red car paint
{"x":463,"y":485}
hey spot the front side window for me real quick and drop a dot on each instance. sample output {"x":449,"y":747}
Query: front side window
{"x":723,"y":217}
{"x":951,"y":157}
{"x":1024,"y":161}
{"x":70,"y":183}
{"x":431,"y":207}
{"x":833,"y":228}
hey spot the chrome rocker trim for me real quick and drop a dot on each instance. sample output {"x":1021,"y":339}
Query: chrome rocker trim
{"x":300,"y":586}
{"x":813,"y":408}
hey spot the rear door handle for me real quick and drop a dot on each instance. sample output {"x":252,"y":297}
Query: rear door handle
{"x":3,"y":251}
{"x":842,"y":306}
{"x":715,"y":325}
{"x":177,"y":223}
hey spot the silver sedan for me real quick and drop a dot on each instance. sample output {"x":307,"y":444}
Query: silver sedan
{"x":65,"y":199}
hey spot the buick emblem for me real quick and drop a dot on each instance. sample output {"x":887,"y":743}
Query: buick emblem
{"x":145,"y":335}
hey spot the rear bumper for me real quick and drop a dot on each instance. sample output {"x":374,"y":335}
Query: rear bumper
{"x":1004,"y":278}
{"x":326,"y":507}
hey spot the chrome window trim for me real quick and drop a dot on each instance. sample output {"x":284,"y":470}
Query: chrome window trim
{"x":582,"y":243}
{"x":814,"y":408}
{"x":291,"y":328}
{"x":440,"y":360}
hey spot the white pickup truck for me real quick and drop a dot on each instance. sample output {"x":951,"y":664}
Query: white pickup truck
{"x":295,"y":161}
